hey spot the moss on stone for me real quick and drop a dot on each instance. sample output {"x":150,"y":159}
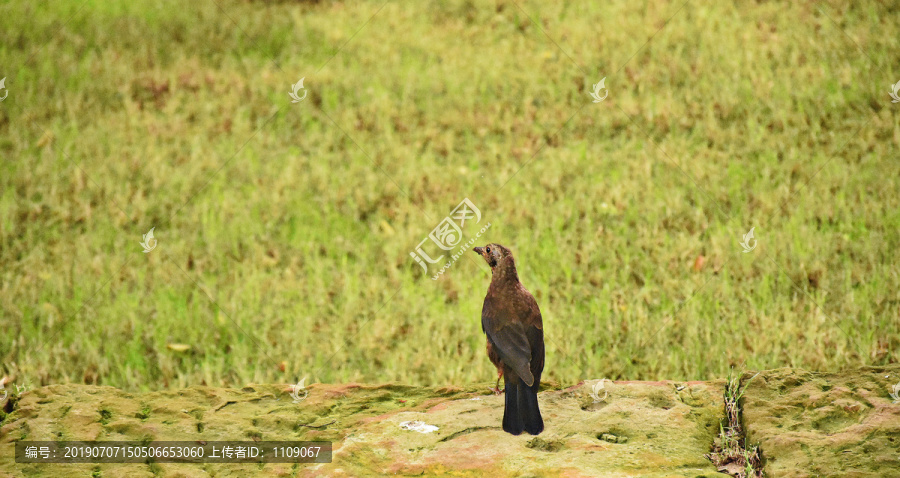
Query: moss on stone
{"x":841,"y":424}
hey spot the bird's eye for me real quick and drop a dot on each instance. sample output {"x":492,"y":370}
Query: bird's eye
{"x":488,"y":250}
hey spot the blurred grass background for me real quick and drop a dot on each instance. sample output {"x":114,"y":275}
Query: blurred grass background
{"x":285,"y":229}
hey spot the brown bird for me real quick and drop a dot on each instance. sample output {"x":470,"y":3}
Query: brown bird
{"x":512,"y":323}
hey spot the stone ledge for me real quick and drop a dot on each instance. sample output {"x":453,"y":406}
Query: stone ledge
{"x":652,"y":429}
{"x":812,"y":424}
{"x":808,"y":424}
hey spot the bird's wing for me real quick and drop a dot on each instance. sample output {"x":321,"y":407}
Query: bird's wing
{"x":534,"y":331}
{"x":536,"y":338}
{"x":508,"y":338}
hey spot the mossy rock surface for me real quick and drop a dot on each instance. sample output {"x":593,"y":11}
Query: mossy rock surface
{"x":807,"y":424}
{"x":648,"y":429}
{"x":841,"y":424}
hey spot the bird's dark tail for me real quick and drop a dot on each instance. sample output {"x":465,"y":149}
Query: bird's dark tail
{"x":521,"y":412}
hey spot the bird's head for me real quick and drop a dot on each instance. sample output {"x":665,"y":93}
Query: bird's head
{"x":496,"y":255}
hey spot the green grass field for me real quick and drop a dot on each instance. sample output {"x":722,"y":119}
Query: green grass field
{"x":284,"y":230}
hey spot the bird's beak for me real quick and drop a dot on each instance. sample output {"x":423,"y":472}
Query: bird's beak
{"x":479,"y":250}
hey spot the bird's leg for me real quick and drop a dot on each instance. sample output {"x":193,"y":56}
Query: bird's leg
{"x":496,"y":388}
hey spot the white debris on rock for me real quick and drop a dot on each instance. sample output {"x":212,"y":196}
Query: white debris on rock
{"x":417,"y":426}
